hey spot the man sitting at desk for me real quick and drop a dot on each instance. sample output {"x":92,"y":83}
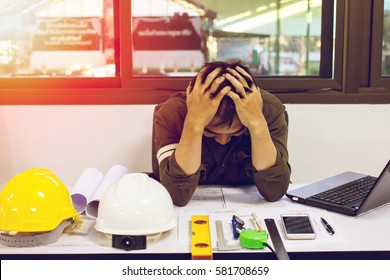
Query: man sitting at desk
{"x":224,"y":130}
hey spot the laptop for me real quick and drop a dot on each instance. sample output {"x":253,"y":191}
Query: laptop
{"x":348,"y":193}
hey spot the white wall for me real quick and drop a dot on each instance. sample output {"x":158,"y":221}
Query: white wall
{"x":329,"y":139}
{"x":323,"y":139}
{"x":68,"y":139}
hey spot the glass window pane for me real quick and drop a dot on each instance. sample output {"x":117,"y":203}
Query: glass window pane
{"x":273,"y":37}
{"x":57,"y":38}
{"x":386,"y":40}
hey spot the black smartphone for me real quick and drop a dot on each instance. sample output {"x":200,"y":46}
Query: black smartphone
{"x":297,"y":226}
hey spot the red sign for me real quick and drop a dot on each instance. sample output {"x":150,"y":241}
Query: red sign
{"x":166,"y":33}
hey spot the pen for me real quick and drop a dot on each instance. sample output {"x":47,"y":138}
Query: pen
{"x":327,"y":226}
{"x":236,"y":233}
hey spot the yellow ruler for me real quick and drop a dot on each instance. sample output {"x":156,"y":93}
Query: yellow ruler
{"x":201,"y":239}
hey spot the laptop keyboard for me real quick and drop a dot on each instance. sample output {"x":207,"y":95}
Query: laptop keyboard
{"x":349,"y":192}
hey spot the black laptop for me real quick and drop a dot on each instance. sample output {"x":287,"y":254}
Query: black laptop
{"x":348,"y":193}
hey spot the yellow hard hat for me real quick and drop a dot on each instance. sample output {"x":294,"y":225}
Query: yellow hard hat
{"x":35,"y":201}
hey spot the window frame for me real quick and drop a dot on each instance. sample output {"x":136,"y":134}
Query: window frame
{"x":353,"y":72}
{"x":376,"y":79}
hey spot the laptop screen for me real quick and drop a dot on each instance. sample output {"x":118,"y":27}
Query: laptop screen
{"x":380,"y":193}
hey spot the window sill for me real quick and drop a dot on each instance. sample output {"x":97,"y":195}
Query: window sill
{"x":112,"y":96}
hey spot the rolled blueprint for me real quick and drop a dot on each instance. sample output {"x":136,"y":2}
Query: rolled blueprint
{"x":113,"y":175}
{"x":85,"y":187}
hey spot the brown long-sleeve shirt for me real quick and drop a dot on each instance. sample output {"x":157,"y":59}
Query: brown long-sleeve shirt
{"x":229,"y":164}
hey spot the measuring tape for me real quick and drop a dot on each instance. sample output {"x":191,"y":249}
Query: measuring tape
{"x":201,"y":239}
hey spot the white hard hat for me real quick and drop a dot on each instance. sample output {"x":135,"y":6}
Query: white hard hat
{"x":136,"y":205}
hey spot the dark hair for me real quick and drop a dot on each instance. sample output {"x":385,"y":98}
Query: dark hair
{"x":226,"y":110}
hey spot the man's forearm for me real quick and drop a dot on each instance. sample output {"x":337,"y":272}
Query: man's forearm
{"x":263,"y":149}
{"x":189,"y":151}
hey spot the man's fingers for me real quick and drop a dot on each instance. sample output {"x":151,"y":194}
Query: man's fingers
{"x":234,"y":96}
{"x":210,"y":79}
{"x":237,"y":84}
{"x":189,"y":88}
{"x":198,"y":79}
{"x":248,"y":90}
{"x":222,"y":93}
{"x":215,"y":85}
{"x":238,"y":76}
{"x":243,"y":72}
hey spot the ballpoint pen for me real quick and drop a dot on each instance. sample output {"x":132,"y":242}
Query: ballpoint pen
{"x":327,"y":226}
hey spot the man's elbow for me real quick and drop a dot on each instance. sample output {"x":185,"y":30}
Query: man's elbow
{"x":273,"y":196}
{"x":180,"y":197}
{"x":181,"y":202}
{"x":274,"y":191}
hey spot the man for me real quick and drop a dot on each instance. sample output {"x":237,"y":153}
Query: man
{"x":224,"y":131}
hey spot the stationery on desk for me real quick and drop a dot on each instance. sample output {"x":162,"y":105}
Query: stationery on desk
{"x":327,"y":226}
{"x":221,"y":203}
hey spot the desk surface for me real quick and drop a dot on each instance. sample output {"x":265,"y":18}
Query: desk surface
{"x":363,"y":237}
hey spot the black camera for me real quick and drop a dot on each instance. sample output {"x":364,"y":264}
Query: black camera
{"x":129,"y":242}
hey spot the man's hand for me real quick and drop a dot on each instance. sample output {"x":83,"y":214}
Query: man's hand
{"x":250,"y":112}
{"x":201,"y":108}
{"x":249,"y":107}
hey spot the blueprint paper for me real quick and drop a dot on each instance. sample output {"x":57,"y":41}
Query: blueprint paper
{"x":113,"y":175}
{"x":85,"y":187}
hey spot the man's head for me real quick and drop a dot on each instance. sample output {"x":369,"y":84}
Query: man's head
{"x":226,"y":123}
{"x":226,"y":110}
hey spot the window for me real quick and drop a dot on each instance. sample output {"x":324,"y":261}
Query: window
{"x":386,"y":40}
{"x":141,"y":51}
{"x":274,"y":38}
{"x":57,"y":39}
{"x":380,"y":56}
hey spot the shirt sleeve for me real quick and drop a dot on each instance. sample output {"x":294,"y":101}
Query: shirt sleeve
{"x":180,"y":186}
{"x":168,"y":123}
